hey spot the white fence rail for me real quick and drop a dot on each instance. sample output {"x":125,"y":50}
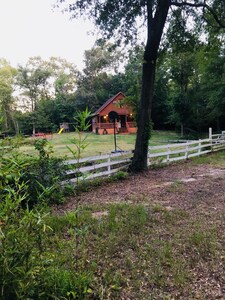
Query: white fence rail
{"x":97,"y":166}
{"x":106,"y":165}
{"x":175,"y":152}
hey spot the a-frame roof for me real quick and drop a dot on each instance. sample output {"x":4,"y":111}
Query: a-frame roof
{"x":110,"y":100}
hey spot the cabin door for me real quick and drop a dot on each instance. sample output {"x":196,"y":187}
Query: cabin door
{"x":123,"y":121}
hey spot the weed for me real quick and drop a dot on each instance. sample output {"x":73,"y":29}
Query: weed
{"x":176,"y":186}
{"x":202,"y":244}
{"x":157,"y":208}
{"x":121,"y":175}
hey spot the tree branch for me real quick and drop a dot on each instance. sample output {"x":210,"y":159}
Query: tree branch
{"x":203,"y":5}
{"x":213,"y":13}
{"x":186,"y":3}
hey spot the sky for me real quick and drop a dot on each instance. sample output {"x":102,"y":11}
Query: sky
{"x":32,"y":28}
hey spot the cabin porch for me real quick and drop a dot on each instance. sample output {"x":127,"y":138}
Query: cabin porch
{"x":103,"y":125}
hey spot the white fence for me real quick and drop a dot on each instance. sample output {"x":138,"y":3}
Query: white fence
{"x":106,"y":165}
{"x":97,"y":166}
{"x":181,"y":151}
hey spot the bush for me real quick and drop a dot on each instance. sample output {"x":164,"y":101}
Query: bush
{"x":32,"y":260}
{"x":44,"y":177}
{"x":21,"y":236}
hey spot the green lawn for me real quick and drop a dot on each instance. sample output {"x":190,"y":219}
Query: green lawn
{"x":98,"y":144}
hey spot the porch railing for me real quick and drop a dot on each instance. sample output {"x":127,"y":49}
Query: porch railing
{"x":130,"y":124}
{"x":105,"y":125}
{"x":111,"y":125}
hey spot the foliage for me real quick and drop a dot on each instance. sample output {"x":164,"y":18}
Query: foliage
{"x":132,"y":80}
{"x":44,"y":176}
{"x":40,"y":82}
{"x":82,"y":124}
{"x":30,"y":267}
{"x":95,"y":85}
{"x":7,"y":78}
{"x":22,"y":244}
{"x":17,"y":245}
{"x":121,"y":175}
{"x":119,"y":19}
{"x":80,"y":142}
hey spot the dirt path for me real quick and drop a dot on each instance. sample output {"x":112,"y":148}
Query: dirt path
{"x":183,"y":185}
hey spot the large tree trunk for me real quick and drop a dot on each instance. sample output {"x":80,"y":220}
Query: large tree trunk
{"x":139,"y":161}
{"x":155,"y":30}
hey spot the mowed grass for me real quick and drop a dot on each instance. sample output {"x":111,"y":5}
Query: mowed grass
{"x":97,"y":144}
{"x":143,"y":251}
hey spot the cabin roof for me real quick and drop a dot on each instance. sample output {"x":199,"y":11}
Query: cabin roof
{"x":108,"y":102}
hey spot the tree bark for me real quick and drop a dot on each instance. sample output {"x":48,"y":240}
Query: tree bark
{"x":181,"y":129}
{"x":155,"y":29}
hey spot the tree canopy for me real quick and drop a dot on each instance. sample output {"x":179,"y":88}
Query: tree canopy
{"x":121,"y":20}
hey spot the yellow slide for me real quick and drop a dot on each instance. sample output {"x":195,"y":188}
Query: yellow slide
{"x":60,"y":131}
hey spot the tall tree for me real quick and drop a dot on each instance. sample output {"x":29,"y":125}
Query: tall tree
{"x":94,"y":83}
{"x":118,"y":18}
{"x":132,"y":77}
{"x":63,"y":75}
{"x":182,"y":48}
{"x":213,"y":78}
{"x":7,"y":79}
{"x":33,"y":81}
{"x":42,"y":81}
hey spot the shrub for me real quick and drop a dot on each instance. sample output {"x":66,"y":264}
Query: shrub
{"x":44,"y":177}
{"x":21,"y":236}
{"x":30,"y":267}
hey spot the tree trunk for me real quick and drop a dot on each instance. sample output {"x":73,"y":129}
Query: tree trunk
{"x":5,"y":118}
{"x":34,"y":130}
{"x":139,"y":161}
{"x":14,"y":122}
{"x":182,"y":130}
{"x":218,"y":124}
{"x":155,"y":29}
{"x":16,"y":126}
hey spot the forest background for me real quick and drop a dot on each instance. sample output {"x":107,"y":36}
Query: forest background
{"x":189,"y":93}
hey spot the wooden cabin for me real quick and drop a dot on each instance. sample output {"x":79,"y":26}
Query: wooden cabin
{"x":101,"y":122}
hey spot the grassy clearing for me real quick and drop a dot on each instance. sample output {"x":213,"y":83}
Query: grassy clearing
{"x":137,"y":252}
{"x":98,"y":144}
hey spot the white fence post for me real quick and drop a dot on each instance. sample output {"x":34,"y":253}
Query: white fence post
{"x":148,"y":160}
{"x":186,"y":151}
{"x":199,"y":147}
{"x":210,"y":133}
{"x":109,"y":166}
{"x":168,"y":154}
